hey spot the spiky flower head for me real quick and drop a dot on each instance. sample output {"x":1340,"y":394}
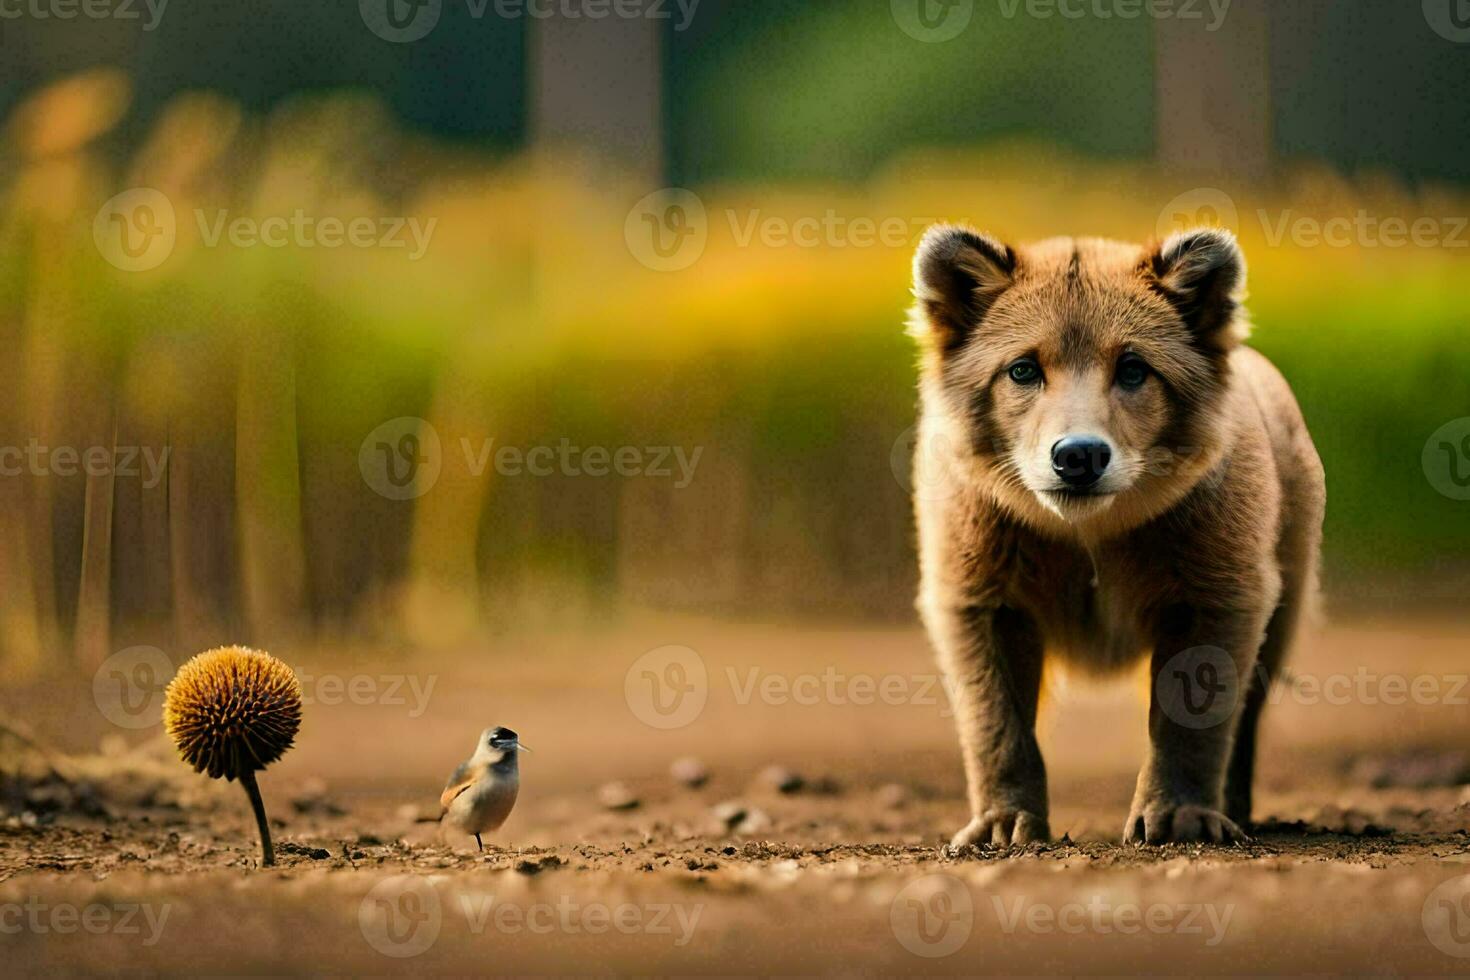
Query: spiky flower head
{"x":232,"y":710}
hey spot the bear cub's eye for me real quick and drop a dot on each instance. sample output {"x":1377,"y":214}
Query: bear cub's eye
{"x":1133,"y":371}
{"x":1025,"y":371}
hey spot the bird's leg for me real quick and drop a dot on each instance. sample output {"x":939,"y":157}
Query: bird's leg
{"x":480,"y":842}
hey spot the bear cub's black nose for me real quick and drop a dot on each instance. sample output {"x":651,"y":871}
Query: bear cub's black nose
{"x":1080,"y":460}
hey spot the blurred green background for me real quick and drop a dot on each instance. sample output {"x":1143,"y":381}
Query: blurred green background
{"x":527,"y":147}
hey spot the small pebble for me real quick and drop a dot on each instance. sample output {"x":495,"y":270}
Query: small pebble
{"x":617,"y":796}
{"x":783,"y":780}
{"x":729,"y":813}
{"x":690,"y":772}
{"x":755,"y":822}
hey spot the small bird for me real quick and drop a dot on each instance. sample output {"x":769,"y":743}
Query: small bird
{"x":480,"y":794}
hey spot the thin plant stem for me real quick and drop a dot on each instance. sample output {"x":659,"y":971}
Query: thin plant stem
{"x":268,"y":854}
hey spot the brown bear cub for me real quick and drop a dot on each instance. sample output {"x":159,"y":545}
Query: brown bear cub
{"x":1104,"y":473}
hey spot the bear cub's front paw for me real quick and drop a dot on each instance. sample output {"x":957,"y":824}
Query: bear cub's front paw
{"x":1164,"y":823}
{"x":1003,"y":827}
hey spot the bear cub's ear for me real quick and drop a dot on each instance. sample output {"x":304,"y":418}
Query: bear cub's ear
{"x":1202,"y":273}
{"x":958,"y":275}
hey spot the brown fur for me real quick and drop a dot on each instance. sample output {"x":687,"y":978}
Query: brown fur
{"x":1205,"y":535}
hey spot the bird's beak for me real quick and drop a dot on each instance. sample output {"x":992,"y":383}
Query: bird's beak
{"x":522,"y":747}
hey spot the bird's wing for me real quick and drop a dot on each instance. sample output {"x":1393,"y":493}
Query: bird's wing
{"x":463,"y":778}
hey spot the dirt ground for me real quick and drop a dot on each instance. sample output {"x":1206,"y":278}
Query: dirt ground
{"x":815,"y":844}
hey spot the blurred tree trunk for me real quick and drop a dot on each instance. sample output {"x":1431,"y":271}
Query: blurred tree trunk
{"x":33,"y":620}
{"x":194,"y":545}
{"x":443,"y":601}
{"x":268,"y":486}
{"x":94,"y":593}
{"x":1213,"y":92}
{"x":20,"y":601}
{"x":140,"y":533}
{"x":42,"y":365}
{"x":201,"y":490}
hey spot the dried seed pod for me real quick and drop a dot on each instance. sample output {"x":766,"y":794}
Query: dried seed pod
{"x":232,"y":711}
